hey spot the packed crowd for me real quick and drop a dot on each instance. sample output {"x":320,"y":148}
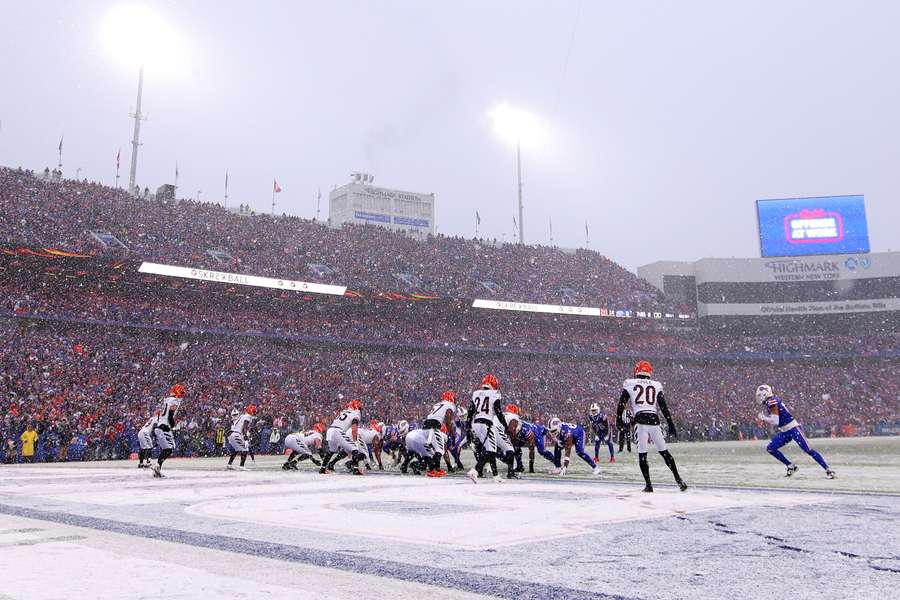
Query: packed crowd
{"x":49,"y":213}
{"x":85,"y":390}
{"x":447,"y":325}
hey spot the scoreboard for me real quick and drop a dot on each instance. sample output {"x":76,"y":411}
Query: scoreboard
{"x":812,"y":226}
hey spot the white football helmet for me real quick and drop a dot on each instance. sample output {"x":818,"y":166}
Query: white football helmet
{"x":235,"y":413}
{"x":403,"y":426}
{"x":595,"y":409}
{"x":554,"y":425}
{"x":462,"y":413}
{"x":764,"y":392}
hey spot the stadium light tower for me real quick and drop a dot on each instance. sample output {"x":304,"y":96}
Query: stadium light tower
{"x":520,"y":127}
{"x":135,"y":35}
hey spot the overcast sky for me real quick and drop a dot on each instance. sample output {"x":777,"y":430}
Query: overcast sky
{"x":665,"y":120}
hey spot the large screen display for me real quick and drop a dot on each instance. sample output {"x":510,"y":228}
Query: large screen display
{"x":804,"y":226}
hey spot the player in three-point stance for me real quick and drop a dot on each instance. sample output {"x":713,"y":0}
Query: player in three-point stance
{"x":530,"y":435}
{"x":602,"y":432}
{"x":777,"y":414}
{"x":644,"y":397}
{"x":566,"y":436}
{"x":341,"y":439}
{"x":368,"y":441}
{"x":302,"y":446}
{"x":439,"y":422}
{"x":485,"y":411}
{"x":145,"y":441}
{"x":238,"y":438}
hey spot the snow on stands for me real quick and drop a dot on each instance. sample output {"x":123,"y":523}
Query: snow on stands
{"x":107,"y":530}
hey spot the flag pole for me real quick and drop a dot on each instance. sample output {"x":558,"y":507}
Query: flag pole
{"x":118,"y":157}
{"x":226,"y":188}
{"x":59,"y":166}
{"x":318,"y":202}
{"x":273,"y":198}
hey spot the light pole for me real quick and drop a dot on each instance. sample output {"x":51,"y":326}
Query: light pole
{"x":78,"y":174}
{"x":519,"y":127}
{"x":136,"y":140}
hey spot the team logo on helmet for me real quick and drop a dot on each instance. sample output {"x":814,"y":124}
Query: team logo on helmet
{"x":595,"y":409}
{"x":354,"y":405}
{"x":512,"y":409}
{"x":403,"y":426}
{"x":449,"y":396}
{"x":462,"y":413}
{"x":764,"y":392}
{"x":177,"y":390}
{"x":491,"y":381}
{"x":554,"y":426}
{"x":643,"y":368}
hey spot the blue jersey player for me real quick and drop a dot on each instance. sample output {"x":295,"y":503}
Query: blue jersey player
{"x":789,"y":429}
{"x":602,"y":432}
{"x":566,"y":436}
{"x":526,"y":434}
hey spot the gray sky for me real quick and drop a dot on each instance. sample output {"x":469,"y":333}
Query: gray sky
{"x":664,"y":125}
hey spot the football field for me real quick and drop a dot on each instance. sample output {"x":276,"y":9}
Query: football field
{"x":109,"y":530}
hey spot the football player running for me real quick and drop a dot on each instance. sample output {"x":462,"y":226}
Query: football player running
{"x":644,"y":396}
{"x":777,"y":415}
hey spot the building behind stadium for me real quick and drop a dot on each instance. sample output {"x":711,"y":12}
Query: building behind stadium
{"x":362,"y":203}
{"x":824,"y":292}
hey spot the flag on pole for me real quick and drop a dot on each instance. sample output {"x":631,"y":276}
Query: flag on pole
{"x":477,"y":218}
{"x":60,"y":143}
{"x":551,"y":227}
{"x":118,"y":158}
{"x":514,"y":221}
{"x":276,"y":188}
{"x":226,"y":181}
{"x":586,"y":234}
{"x":176,"y":170}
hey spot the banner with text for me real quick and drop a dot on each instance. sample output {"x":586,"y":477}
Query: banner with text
{"x":240,"y":279}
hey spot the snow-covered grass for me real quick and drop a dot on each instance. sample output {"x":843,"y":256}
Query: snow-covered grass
{"x":109,"y":530}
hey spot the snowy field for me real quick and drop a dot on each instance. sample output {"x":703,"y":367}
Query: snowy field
{"x":108,"y":530}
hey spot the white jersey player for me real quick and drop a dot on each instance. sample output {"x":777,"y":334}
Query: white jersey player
{"x":145,"y":441}
{"x":439,"y":422}
{"x":419,"y":453}
{"x":644,"y":397}
{"x":164,"y":430}
{"x":341,"y":436}
{"x":238,"y":437}
{"x":485,"y":415}
{"x":302,"y":446}
{"x":368,"y":442}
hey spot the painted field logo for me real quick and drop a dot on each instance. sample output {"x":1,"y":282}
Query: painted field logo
{"x":816,"y":226}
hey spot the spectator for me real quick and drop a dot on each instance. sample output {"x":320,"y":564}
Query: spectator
{"x":29,"y":440}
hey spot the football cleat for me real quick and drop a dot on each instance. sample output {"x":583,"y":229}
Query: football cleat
{"x":829,"y":474}
{"x":556,"y":471}
{"x":648,"y":488}
{"x":612,"y":459}
{"x":596,"y":470}
{"x":243,"y":469}
{"x":498,"y":479}
{"x":791,"y":470}
{"x":512,"y":475}
{"x":155,"y":469}
{"x":682,"y":485}
{"x":473,"y":475}
{"x":229,"y":467}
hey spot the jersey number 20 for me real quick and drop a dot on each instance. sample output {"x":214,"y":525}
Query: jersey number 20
{"x":645,"y":394}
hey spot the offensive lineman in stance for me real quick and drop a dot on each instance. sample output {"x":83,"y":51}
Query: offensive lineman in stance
{"x":341,"y":439}
{"x":302,"y":446}
{"x":486,"y":409}
{"x":439,"y":420}
{"x":644,"y":397}
{"x":165,"y":424}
